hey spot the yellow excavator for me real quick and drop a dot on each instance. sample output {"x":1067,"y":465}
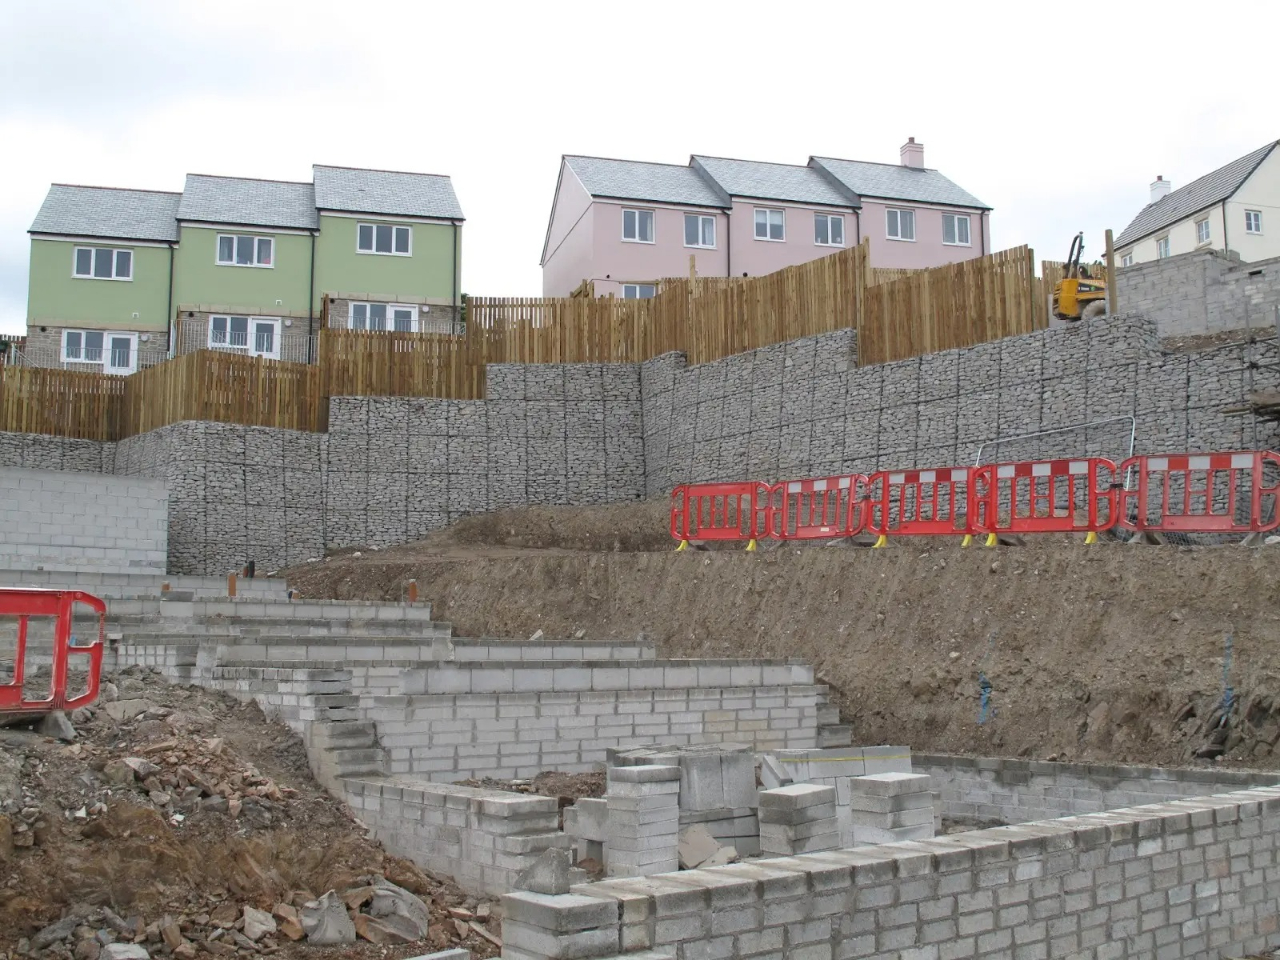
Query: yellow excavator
{"x":1079,"y":295}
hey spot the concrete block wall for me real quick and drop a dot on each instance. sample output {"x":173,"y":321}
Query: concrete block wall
{"x":522,"y":734}
{"x":1201,"y":293}
{"x":1187,"y":879}
{"x":481,"y":838}
{"x":69,"y":521}
{"x":1016,"y":791}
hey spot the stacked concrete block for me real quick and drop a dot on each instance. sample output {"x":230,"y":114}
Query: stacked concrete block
{"x":587,"y":822}
{"x":644,"y":820}
{"x":539,"y":926}
{"x":798,"y":819}
{"x":889,"y":807}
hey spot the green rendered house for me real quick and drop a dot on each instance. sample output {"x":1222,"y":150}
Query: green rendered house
{"x":125,"y":278}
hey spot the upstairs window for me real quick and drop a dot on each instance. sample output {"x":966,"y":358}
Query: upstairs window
{"x":1162,"y":248}
{"x":638,"y":291}
{"x":699,"y":230}
{"x":828,"y":230}
{"x":236,"y":250}
{"x":1202,"y":231}
{"x":900,"y":224}
{"x":1253,"y":221}
{"x":1126,"y":260}
{"x":384,"y":238}
{"x":100,"y":263}
{"x":955,"y":229}
{"x":395,"y":317}
{"x":770,"y":224}
{"x":637,"y":226}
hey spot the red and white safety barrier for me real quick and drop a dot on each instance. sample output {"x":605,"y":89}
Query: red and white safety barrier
{"x":821,"y":509}
{"x":1201,"y":493}
{"x":720,"y":511}
{"x":1044,"y":496}
{"x":919,"y":502}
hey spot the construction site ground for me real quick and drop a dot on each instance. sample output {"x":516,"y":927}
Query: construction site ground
{"x":1111,"y":652}
{"x":89,"y":831}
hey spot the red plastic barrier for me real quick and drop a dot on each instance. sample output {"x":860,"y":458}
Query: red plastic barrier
{"x":1045,"y":496}
{"x":25,"y":604}
{"x":720,"y":511}
{"x":916,"y":502}
{"x":819,"y":509}
{"x":1201,"y":493}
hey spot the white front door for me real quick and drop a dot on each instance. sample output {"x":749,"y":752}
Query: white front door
{"x":121,"y":353}
{"x":266,"y":339}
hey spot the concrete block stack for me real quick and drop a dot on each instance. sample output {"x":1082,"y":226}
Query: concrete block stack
{"x":644,"y":820}
{"x":888,"y":807}
{"x":717,"y":788}
{"x":539,"y":925}
{"x":587,"y":821}
{"x":798,"y":819}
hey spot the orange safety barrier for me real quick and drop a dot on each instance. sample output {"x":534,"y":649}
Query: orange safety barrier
{"x":1044,"y":496}
{"x":25,"y":604}
{"x":919,"y":502}
{"x":720,"y":511}
{"x":819,"y":509}
{"x":1233,"y":492}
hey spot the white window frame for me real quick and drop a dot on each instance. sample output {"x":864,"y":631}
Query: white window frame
{"x":1126,"y":260}
{"x":829,"y":217}
{"x":249,"y":349}
{"x":894,"y":215}
{"x":105,"y":355}
{"x":415,"y":310}
{"x":768,"y":224}
{"x":653,"y":225}
{"x":235,"y":238}
{"x":1250,"y":218}
{"x":395,"y":228}
{"x":93,"y":253}
{"x":635,"y":288}
{"x":703,"y":219}
{"x":1203,"y":234}
{"x":968,"y":228}
{"x":1163,"y":249}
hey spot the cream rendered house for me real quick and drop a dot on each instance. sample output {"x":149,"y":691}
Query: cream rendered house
{"x":1234,"y":210}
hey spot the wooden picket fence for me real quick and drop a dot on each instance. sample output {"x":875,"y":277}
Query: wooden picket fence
{"x":897,"y":313}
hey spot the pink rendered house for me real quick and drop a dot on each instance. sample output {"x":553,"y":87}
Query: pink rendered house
{"x":626,"y":224}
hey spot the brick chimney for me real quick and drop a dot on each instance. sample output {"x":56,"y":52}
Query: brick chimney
{"x":1159,"y":189}
{"x":912,"y":154}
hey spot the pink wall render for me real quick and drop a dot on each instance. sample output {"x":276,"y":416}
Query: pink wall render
{"x":758,"y":257}
{"x":927,"y":250}
{"x":617,"y":261}
{"x":568,"y":255}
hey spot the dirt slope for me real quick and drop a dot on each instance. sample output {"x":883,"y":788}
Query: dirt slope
{"x":1108,"y":652}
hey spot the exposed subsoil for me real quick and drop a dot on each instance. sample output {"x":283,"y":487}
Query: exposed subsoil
{"x":1110,"y":652}
{"x":215,"y":809}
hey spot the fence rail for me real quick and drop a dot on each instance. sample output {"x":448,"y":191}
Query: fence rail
{"x":897,"y":313}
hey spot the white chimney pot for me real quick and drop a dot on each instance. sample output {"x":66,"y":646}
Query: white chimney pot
{"x":912,"y":154}
{"x":1160,"y":188}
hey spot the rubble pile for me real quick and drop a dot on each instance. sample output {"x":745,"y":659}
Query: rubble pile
{"x":181,"y":823}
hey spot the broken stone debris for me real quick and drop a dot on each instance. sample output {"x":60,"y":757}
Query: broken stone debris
{"x":325,"y":921}
{"x":552,"y":873}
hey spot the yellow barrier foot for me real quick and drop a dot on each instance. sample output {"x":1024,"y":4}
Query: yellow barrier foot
{"x":1091,"y":537}
{"x":881,"y":541}
{"x":992,"y":540}
{"x":968,"y":539}
{"x":684,"y":545}
{"x":751,"y":545}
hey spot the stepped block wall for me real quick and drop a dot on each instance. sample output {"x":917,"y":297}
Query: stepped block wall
{"x":1203,"y":292}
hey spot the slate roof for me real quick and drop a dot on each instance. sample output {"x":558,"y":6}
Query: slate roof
{"x":774,"y":181}
{"x":108,"y":212}
{"x":639,"y":180}
{"x":895,"y":181}
{"x":386,"y":192}
{"x":1195,"y":196}
{"x":257,"y":203}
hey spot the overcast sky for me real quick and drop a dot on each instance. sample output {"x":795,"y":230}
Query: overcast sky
{"x":1057,"y":115}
